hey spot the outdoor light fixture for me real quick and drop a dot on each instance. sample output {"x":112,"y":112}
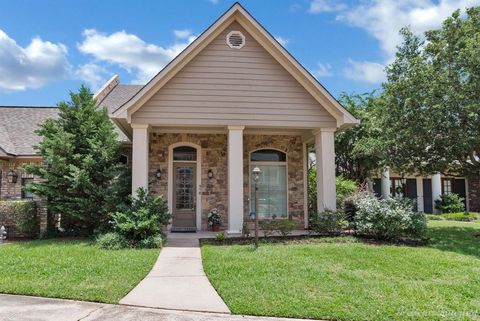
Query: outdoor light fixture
{"x":158,"y":174}
{"x":12,"y":177}
{"x":210,"y":173}
{"x":3,"y":234}
{"x":256,"y":174}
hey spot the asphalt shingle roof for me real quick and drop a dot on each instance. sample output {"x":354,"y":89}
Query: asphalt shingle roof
{"x":18,"y":125}
{"x":119,"y":95}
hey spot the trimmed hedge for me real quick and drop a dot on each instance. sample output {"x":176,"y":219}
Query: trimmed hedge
{"x":459,"y":216}
{"x":22,"y":214}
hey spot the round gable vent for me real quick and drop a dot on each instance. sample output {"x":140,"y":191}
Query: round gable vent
{"x":235,"y":39}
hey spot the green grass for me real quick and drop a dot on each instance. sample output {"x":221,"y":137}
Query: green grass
{"x":351,"y":280}
{"x":72,"y":269}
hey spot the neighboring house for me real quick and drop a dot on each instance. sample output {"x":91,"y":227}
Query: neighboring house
{"x":424,"y":190}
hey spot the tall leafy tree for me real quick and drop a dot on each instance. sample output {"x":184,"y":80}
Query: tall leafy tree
{"x":81,"y":154}
{"x":429,"y":112}
{"x":354,"y":156}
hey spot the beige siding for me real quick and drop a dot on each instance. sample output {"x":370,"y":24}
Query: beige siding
{"x":224,"y":86}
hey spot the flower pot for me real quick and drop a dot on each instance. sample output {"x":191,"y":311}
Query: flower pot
{"x":216,"y":227}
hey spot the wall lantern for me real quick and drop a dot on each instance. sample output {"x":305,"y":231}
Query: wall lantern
{"x":158,"y":174}
{"x":210,"y":173}
{"x":12,"y":177}
{"x":256,"y":174}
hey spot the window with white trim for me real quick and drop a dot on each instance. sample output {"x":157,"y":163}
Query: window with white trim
{"x":447,"y":186}
{"x":272,"y":185}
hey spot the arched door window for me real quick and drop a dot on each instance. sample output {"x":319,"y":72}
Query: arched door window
{"x":272,"y":185}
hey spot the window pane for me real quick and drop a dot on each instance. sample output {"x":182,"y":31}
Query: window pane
{"x":268,"y":155}
{"x":272,"y":191}
{"x":184,"y":153}
{"x":25,"y":182}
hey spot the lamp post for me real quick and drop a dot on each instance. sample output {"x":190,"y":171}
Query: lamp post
{"x":256,"y":176}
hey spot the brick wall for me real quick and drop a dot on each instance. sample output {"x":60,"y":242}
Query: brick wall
{"x":474,"y":193}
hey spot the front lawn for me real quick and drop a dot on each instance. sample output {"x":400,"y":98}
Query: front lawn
{"x":351,"y":280}
{"x":72,"y":269}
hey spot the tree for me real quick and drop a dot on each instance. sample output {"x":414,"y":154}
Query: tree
{"x":429,"y":111}
{"x":353,"y":158}
{"x":81,"y":154}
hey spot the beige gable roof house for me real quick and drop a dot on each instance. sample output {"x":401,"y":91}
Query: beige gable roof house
{"x":233,"y":100}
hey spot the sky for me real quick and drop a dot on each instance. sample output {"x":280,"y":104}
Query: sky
{"x":51,"y":47}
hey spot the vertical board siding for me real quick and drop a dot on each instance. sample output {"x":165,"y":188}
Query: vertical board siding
{"x":225,"y":86}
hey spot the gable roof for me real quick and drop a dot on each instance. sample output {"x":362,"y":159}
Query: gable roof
{"x":18,"y":125}
{"x":239,"y":14}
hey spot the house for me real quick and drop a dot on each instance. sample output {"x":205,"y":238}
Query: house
{"x":424,"y":190}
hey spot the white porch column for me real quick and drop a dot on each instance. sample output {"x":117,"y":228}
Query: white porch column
{"x":436,"y":189}
{"x":420,"y":198}
{"x":325,"y":164}
{"x":139,"y":156}
{"x":235,"y":179}
{"x":385,"y":183}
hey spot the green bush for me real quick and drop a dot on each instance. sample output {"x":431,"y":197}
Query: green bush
{"x":345,"y":188}
{"x":450,"y":203}
{"x":391,"y":219}
{"x":151,"y":242}
{"x":111,"y":241}
{"x":281,"y":227}
{"x":23,"y":215}
{"x":143,"y":219}
{"x":220,"y":237}
{"x":328,"y":222}
{"x":460,"y":216}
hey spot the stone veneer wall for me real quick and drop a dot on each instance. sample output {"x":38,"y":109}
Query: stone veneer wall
{"x":474,"y":193}
{"x":293,"y":147}
{"x":214,"y":191}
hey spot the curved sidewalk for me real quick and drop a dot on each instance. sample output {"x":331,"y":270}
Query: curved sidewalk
{"x":177,"y":281}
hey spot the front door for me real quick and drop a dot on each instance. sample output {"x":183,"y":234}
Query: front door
{"x":184,"y":192}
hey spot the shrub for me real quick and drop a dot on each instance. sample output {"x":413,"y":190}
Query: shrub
{"x":111,"y":241}
{"x":281,"y":227}
{"x":345,"y":188}
{"x":460,"y":216}
{"x":144,"y":218}
{"x":220,"y":237}
{"x":23,"y":215}
{"x":328,"y":222}
{"x":151,"y":242}
{"x":390,"y":219}
{"x":350,"y":205}
{"x":285,"y":227}
{"x":450,"y":203}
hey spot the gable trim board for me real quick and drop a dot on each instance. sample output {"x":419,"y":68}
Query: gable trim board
{"x":237,"y":13}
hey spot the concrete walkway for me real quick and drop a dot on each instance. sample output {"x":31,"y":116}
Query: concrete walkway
{"x":26,"y":308}
{"x":177,"y":280}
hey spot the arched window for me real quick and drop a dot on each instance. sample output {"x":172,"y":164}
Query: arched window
{"x":184,"y":153}
{"x":272,"y":185}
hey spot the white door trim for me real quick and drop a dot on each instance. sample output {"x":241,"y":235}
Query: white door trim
{"x":198,"y":201}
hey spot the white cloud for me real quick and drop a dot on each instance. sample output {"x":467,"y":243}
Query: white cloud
{"x":93,"y":75}
{"x":384,"y":18}
{"x":323,"y":70}
{"x":131,"y":53}
{"x":283,"y":41}
{"x":214,"y":1}
{"x":32,"y":66}
{"x":319,"y":6}
{"x":366,"y":71}
{"x":182,"y":34}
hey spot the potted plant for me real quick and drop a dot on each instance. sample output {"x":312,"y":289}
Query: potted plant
{"x":214,"y":220}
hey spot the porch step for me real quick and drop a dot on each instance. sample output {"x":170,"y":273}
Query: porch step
{"x":178,"y":229}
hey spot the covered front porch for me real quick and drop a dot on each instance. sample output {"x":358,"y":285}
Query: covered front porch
{"x":198,"y":169}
